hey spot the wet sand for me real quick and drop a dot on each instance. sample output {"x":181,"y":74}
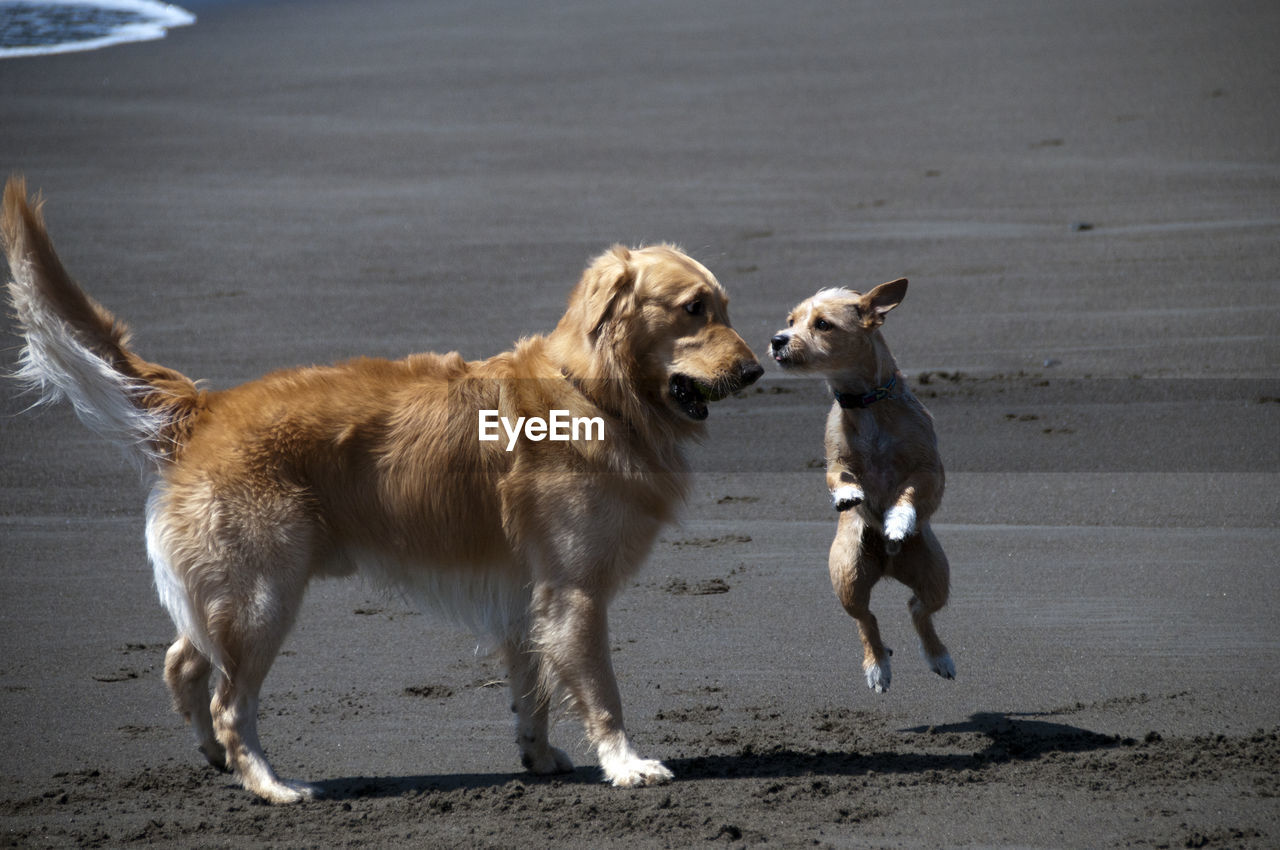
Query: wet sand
{"x":1085,"y":201}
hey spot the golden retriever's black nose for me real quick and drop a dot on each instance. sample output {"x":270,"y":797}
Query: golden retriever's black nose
{"x":779,"y":342}
{"x":751,"y":373}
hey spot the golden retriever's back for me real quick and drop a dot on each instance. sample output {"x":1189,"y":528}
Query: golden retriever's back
{"x":381,"y":453}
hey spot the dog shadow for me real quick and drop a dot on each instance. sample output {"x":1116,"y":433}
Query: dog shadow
{"x":1001,"y":737}
{"x":372,"y":787}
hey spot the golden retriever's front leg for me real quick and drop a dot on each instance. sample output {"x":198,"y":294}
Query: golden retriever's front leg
{"x":573,"y":632}
{"x":529,"y":700}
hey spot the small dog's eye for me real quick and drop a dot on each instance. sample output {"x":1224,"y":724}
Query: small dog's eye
{"x":822,"y":325}
{"x":791,"y":323}
{"x":695,"y":308}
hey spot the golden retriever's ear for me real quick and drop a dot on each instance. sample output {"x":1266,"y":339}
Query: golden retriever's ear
{"x":609,"y":276}
{"x":882,"y":299}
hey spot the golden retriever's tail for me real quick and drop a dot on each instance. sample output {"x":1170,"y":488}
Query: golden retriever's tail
{"x":77,"y":350}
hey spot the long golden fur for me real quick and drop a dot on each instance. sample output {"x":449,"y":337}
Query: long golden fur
{"x":884,"y":472}
{"x":377,"y":467}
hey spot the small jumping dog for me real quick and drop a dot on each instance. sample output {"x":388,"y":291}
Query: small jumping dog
{"x":883,"y":469}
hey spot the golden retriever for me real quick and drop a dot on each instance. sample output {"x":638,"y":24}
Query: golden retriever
{"x":522,"y":532}
{"x":883,"y":469}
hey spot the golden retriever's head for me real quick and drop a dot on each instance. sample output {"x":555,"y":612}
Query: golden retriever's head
{"x":653,"y":324}
{"x":836,"y":330}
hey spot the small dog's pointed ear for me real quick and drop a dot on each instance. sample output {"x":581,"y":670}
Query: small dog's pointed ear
{"x":607,"y":277}
{"x":881,"y":300}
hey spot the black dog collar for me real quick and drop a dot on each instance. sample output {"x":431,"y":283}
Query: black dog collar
{"x":852,"y":400}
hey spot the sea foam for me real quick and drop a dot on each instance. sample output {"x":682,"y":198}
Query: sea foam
{"x":39,"y":27}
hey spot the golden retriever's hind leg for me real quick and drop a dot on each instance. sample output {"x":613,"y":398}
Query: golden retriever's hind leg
{"x":572,"y":630}
{"x":854,"y":572}
{"x":235,"y":717}
{"x":186,"y":672}
{"x":529,"y":702}
{"x":930,"y":579}
{"x":248,"y":641}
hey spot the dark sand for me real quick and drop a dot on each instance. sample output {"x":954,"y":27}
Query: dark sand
{"x":291,"y":182}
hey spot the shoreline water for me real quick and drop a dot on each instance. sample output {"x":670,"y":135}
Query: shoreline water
{"x":50,"y":27}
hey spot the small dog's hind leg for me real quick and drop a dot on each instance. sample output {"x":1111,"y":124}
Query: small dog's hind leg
{"x":930,"y":578}
{"x":875,"y":655}
{"x":854,"y":572}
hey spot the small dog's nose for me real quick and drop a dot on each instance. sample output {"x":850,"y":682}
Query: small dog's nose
{"x":751,"y":373}
{"x":779,"y":342}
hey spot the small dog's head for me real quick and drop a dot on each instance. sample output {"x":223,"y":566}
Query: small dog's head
{"x":836,"y":329}
{"x":655,"y":321}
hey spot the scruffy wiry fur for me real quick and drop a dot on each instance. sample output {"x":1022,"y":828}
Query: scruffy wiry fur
{"x":376,"y":466}
{"x":883,"y":469}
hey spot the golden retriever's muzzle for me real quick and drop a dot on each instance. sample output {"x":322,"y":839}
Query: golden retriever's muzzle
{"x":692,"y":394}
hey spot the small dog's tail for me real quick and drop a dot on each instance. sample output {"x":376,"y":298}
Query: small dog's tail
{"x":77,"y":350}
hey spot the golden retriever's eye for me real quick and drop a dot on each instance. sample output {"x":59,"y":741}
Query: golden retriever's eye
{"x":822,"y":325}
{"x":695,"y":308}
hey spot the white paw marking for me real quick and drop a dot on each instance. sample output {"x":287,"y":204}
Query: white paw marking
{"x":878,"y":676}
{"x":637,"y":773}
{"x":284,"y":792}
{"x":899,"y":522}
{"x":305,"y":790}
{"x":848,"y":496}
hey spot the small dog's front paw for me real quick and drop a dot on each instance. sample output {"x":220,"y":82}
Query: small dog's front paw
{"x":847,"y":497}
{"x":899,"y":523}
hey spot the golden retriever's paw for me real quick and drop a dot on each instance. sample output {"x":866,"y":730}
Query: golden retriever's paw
{"x":879,"y":675}
{"x":216,"y":755}
{"x":553,"y":760}
{"x":637,"y":773}
{"x":283,"y":792}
